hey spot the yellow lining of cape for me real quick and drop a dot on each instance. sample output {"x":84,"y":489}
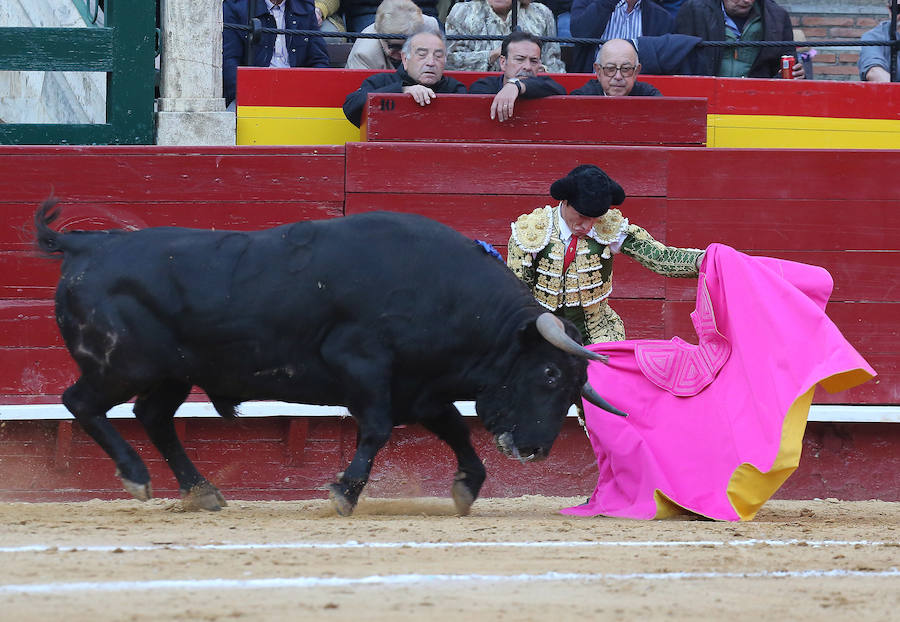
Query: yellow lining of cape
{"x":749,"y":488}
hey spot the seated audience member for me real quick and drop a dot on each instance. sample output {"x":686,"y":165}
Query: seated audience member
{"x":739,"y":20}
{"x":421,"y":74}
{"x":617,"y":67}
{"x":494,"y":17}
{"x":271,"y":50}
{"x":400,"y":17}
{"x":520,"y":61}
{"x":361,"y":14}
{"x":875,"y":61}
{"x":329,"y":17}
{"x":614,"y":19}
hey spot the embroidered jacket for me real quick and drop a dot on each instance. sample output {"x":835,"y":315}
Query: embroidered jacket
{"x":536,"y":255}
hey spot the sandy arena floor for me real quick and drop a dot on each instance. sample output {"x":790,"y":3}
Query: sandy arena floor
{"x":404,"y":559}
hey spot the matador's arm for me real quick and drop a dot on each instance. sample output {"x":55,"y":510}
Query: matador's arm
{"x":662,"y":259}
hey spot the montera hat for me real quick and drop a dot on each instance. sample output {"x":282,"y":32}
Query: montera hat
{"x":589,"y":190}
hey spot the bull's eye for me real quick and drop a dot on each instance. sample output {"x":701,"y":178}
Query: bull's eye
{"x":551,"y":376}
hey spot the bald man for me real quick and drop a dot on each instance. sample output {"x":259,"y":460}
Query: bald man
{"x":617,"y":68}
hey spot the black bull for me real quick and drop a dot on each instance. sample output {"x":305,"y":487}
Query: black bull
{"x":393,"y":316}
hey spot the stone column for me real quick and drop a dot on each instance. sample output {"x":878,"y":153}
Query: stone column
{"x":191,"y":110}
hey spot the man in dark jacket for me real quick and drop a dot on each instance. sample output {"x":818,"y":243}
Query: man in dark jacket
{"x":743,"y":20}
{"x":271,"y":50}
{"x":614,"y":19}
{"x":617,"y":67}
{"x":520,"y":61}
{"x":421,"y":75}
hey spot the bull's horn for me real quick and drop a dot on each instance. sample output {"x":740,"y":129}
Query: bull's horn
{"x":551,"y":328}
{"x":590,"y":394}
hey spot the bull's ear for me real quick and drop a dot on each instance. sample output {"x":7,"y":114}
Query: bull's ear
{"x":528,"y":332}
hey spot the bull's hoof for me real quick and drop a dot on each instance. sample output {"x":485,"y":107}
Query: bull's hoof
{"x":342,"y":505}
{"x":141,"y":492}
{"x":462,"y":496}
{"x":203,"y":496}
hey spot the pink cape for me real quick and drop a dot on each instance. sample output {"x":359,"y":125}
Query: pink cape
{"x":716,"y":428}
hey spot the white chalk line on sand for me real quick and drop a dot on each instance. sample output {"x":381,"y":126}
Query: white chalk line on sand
{"x":353,"y":544}
{"x":400,"y":580}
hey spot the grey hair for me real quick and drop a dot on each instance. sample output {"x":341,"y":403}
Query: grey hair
{"x":427,"y":28}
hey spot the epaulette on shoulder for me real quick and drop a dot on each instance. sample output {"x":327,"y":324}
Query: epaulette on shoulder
{"x":610,"y":226}
{"x":531,"y":232}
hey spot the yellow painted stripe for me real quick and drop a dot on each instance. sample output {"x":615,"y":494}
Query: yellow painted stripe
{"x":295,"y":125}
{"x":283,"y":125}
{"x":783,"y":132}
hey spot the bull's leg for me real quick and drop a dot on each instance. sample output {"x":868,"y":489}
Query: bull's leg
{"x":450,"y":427}
{"x":156,"y":412}
{"x":374,"y":432}
{"x":89,"y":407}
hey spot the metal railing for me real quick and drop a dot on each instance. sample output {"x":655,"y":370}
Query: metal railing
{"x":255,"y":29}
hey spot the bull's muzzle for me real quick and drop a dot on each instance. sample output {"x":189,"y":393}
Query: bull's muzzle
{"x":506,"y":444}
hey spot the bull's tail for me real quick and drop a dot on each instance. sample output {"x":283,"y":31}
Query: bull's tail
{"x":46,"y":240}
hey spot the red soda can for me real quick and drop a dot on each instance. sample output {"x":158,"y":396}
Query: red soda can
{"x":787,"y":63}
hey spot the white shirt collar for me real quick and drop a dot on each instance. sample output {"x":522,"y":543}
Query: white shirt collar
{"x":564,"y":232}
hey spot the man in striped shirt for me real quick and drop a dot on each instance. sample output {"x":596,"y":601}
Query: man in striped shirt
{"x":614,"y":19}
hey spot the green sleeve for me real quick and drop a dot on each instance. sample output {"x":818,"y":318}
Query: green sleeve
{"x":662,"y":259}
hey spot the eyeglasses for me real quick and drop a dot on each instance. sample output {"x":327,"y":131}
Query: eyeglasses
{"x":394,"y":47}
{"x":610,"y":70}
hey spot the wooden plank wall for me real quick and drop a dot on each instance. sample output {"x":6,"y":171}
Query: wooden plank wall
{"x":821,"y":207}
{"x":103,"y":187}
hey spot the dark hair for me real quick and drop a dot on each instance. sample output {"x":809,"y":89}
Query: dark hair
{"x":515,"y":37}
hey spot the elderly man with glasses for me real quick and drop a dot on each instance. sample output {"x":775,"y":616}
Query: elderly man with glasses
{"x":617,"y":68}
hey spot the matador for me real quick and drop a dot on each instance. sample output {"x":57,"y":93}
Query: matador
{"x":565,"y":253}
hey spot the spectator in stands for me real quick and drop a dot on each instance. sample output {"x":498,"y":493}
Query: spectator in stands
{"x":875,"y":61}
{"x":617,"y":68}
{"x":520,"y":61}
{"x":360,"y":14}
{"x":564,"y":254}
{"x":739,"y":20}
{"x":329,"y":18}
{"x":271,"y":50}
{"x":421,"y":74}
{"x":614,"y":19}
{"x":493,"y":17}
{"x":400,"y":17}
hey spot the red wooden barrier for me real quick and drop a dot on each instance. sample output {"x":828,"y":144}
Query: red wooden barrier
{"x":554,"y":120}
{"x":255,"y":459}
